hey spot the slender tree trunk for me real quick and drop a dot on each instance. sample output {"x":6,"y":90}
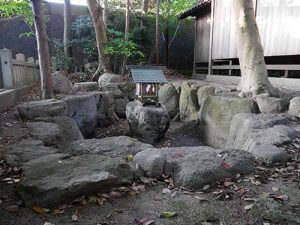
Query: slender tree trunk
{"x":157,"y":34}
{"x":43,"y":50}
{"x":126,"y":34}
{"x":166,"y":34}
{"x":67,"y":28}
{"x":254,"y":75}
{"x":105,"y":13}
{"x":145,"y":7}
{"x":96,"y":12}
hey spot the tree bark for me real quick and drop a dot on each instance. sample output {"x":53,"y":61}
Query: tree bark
{"x":43,"y":50}
{"x":126,"y":34}
{"x":166,"y":34}
{"x":145,"y":7}
{"x":96,"y":12}
{"x":67,"y":28}
{"x":157,"y":34}
{"x":254,"y":75}
{"x":105,"y":13}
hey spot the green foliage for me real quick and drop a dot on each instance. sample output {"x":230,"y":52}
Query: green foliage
{"x":12,"y":8}
{"x":62,"y":61}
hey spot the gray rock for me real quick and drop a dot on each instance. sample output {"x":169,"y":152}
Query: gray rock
{"x":147,"y":123}
{"x":114,"y":89}
{"x":204,"y":92}
{"x":216,"y":115}
{"x":152,"y":162}
{"x":127,"y":87}
{"x":55,"y":182}
{"x":267,"y":104}
{"x":169,"y":96}
{"x":69,"y":131}
{"x":188,"y":102}
{"x":30,"y":142}
{"x":110,"y":146}
{"x":120,"y":106}
{"x":294,"y":108}
{"x":260,"y":135}
{"x":45,"y":159}
{"x":61,"y":84}
{"x":274,"y":211}
{"x":87,"y":86}
{"x":42,"y":108}
{"x":17,"y":155}
{"x":83,"y":109}
{"x":106,"y":110}
{"x":108,"y":78}
{"x":49,"y":133}
{"x":194,"y":167}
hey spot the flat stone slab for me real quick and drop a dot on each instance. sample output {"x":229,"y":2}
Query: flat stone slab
{"x":87,"y":86}
{"x":17,"y":155}
{"x":59,"y":181}
{"x":42,"y":108}
{"x":194,"y":167}
{"x":110,"y":146}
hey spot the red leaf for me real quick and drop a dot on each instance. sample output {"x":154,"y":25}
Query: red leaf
{"x":225,"y":165}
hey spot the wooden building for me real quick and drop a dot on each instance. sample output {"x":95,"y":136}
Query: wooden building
{"x":215,"y":50}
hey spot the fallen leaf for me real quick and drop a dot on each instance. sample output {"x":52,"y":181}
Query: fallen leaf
{"x":247,"y":207}
{"x":48,"y":223}
{"x":40,"y":210}
{"x":201,"y":199}
{"x":144,"y":221}
{"x":206,"y":223}
{"x":225,"y":165}
{"x":275,"y":189}
{"x":205,"y":187}
{"x":282,"y":197}
{"x":115,"y":194}
{"x":129,"y":157}
{"x":168,"y":214}
{"x":74,"y":218}
{"x":166,"y":191}
{"x":58,"y":211}
{"x":109,"y":215}
{"x":12,"y":208}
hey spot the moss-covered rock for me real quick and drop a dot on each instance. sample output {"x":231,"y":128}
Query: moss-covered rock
{"x":204,"y":92}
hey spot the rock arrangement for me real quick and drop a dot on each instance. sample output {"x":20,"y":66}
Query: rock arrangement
{"x":59,"y":165}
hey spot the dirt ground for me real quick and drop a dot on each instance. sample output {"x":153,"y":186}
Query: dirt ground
{"x":222,"y":203}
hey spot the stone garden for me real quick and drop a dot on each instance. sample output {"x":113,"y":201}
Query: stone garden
{"x":52,"y":147}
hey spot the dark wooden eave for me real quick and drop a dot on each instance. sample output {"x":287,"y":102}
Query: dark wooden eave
{"x":196,"y":10}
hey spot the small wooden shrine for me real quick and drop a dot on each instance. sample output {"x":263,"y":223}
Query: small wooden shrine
{"x":147,"y":79}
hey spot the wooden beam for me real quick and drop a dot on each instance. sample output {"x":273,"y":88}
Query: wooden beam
{"x":211,"y":37}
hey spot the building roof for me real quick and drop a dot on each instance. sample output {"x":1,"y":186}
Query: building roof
{"x":148,"y":75}
{"x":196,"y":10}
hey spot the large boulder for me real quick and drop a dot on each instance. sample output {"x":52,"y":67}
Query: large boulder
{"x":294,"y":108}
{"x":204,"y":92}
{"x":110,"y":146}
{"x":108,"y":78}
{"x":42,"y":108}
{"x":87,"y":86}
{"x":113,"y":88}
{"x":83,"y":109}
{"x":261,"y":135}
{"x":49,"y":133}
{"x":169,"y":96}
{"x":267,"y":104}
{"x":61,"y":84}
{"x":147,"y":123}
{"x":69,"y":130}
{"x":188,"y":102}
{"x":216,"y":115}
{"x":106,"y":109}
{"x":59,"y":181}
{"x":129,"y":88}
{"x":17,"y":155}
{"x":194,"y":167}
{"x":120,"y":106}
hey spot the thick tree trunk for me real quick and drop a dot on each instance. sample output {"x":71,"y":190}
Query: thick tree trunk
{"x":254,"y":75}
{"x":43,"y":50}
{"x":96,"y":12}
{"x":157,"y":34}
